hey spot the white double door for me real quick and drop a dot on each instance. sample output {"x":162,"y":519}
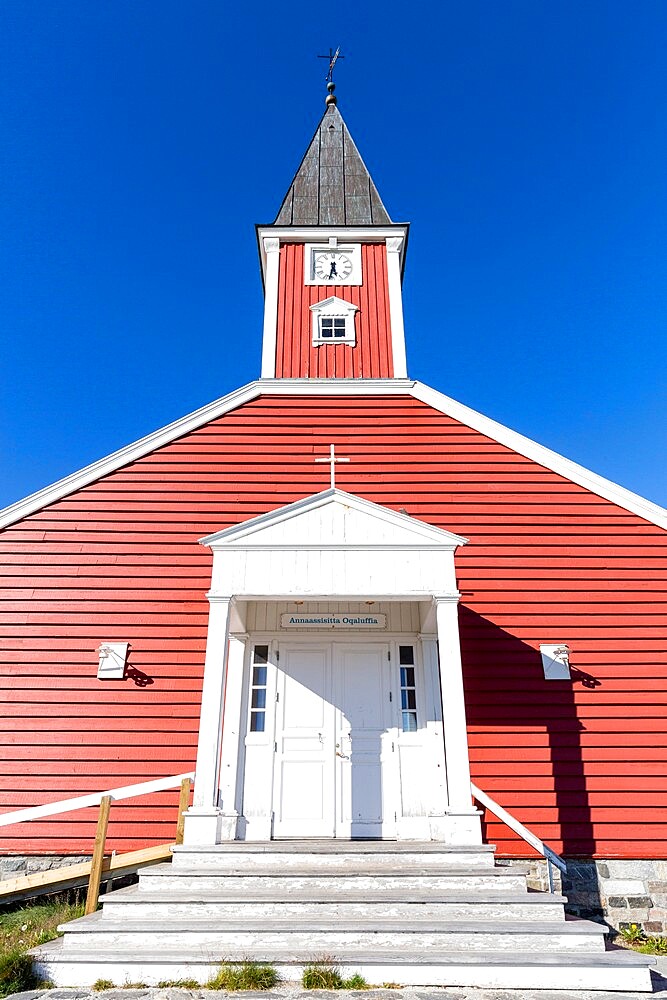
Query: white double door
{"x":335,"y":742}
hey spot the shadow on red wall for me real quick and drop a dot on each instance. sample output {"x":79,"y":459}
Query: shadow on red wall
{"x":507,"y":695}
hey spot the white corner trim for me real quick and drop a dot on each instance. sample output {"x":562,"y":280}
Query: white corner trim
{"x":271,"y":247}
{"x":337,"y":387}
{"x":394,"y":247}
{"x":543,"y":456}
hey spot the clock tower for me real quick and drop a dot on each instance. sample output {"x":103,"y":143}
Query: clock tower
{"x":332,"y":265}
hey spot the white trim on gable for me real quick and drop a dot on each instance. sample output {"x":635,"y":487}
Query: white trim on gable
{"x":339,"y":387}
{"x":334,"y":545}
{"x":409,"y":530}
{"x":543,"y":456}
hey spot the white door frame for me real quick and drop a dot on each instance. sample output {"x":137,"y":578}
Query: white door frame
{"x":416,"y":780}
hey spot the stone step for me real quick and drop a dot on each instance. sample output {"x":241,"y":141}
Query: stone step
{"x":331,"y":854}
{"x":164,"y":878}
{"x":135,"y":904}
{"x":614,"y":971}
{"x":215,"y":938}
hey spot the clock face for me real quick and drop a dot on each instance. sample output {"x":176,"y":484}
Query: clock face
{"x":332,"y":266}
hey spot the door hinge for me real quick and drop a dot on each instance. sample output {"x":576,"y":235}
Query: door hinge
{"x":389,"y":654}
{"x":277,"y":695}
{"x":391,"y":697}
{"x":275,"y":748}
{"x":393,"y":747}
{"x":277,"y":656}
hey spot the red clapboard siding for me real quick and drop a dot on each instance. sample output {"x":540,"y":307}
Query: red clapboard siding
{"x":582,"y":764}
{"x":371,"y":356}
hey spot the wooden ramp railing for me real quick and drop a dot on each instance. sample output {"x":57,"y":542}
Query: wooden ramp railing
{"x":102,"y":866}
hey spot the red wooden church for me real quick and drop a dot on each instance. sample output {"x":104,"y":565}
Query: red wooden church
{"x":462,"y":603}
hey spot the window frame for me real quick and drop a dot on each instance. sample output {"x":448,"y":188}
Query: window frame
{"x":334,"y":308}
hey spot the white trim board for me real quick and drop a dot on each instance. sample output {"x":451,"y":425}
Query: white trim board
{"x":242,"y":533}
{"x":339,"y":387}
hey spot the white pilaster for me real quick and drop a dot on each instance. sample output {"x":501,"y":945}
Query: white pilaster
{"x":437,"y":819}
{"x":231,"y":738}
{"x":203,"y":819}
{"x":464,"y":825}
{"x":394,"y":244}
{"x":272,"y":250}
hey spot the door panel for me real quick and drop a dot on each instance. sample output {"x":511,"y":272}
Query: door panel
{"x":334,"y":755}
{"x":304,"y":779}
{"x":364,"y":751}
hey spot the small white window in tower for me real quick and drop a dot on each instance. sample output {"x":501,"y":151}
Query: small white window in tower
{"x":333,"y":322}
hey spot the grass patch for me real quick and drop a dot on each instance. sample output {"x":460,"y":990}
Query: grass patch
{"x":244,"y":976}
{"x":355,"y":982}
{"x":23,"y":927}
{"x":327,"y":976}
{"x":633,"y":936}
{"x":102,"y":984}
{"x":183,"y":984}
{"x":16,"y":972}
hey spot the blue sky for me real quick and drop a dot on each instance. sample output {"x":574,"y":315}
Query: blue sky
{"x":525,"y":141}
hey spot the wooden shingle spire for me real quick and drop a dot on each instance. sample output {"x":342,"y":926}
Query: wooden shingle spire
{"x":332,"y":187}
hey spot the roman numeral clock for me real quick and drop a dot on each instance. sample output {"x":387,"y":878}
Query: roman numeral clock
{"x":332,"y":265}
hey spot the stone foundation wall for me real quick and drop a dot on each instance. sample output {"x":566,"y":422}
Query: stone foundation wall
{"x":15,"y":865}
{"x":617,"y":893}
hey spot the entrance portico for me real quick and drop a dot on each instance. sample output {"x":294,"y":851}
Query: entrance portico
{"x":333,"y":699}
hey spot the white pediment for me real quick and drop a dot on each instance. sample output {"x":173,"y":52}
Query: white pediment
{"x":334,"y":519}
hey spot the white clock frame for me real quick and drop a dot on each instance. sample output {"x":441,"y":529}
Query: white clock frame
{"x":352,"y":250}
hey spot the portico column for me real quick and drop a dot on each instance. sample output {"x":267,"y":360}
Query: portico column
{"x":231,"y":737}
{"x":465,"y":823}
{"x":203,"y":819}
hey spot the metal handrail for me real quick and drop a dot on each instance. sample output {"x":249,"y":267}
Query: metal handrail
{"x":530,"y":838}
{"x":94,"y":799}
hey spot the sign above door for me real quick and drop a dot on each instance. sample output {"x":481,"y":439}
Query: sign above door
{"x":333,"y":620}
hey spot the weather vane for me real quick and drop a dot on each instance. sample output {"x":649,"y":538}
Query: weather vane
{"x":333,"y":57}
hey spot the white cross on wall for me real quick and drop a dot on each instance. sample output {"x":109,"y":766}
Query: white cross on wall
{"x":332,"y":460}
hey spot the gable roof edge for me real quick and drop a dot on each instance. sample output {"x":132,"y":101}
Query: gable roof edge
{"x":190,"y":422}
{"x":294,"y":387}
{"x":552,"y":460}
{"x":129,"y":453}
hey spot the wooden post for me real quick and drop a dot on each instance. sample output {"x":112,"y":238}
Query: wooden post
{"x":98,"y":855}
{"x":183,"y":803}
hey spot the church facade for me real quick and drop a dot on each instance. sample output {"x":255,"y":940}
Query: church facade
{"x":339,"y":596}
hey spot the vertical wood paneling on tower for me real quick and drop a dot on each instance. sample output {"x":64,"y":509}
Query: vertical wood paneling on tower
{"x":295,"y":355}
